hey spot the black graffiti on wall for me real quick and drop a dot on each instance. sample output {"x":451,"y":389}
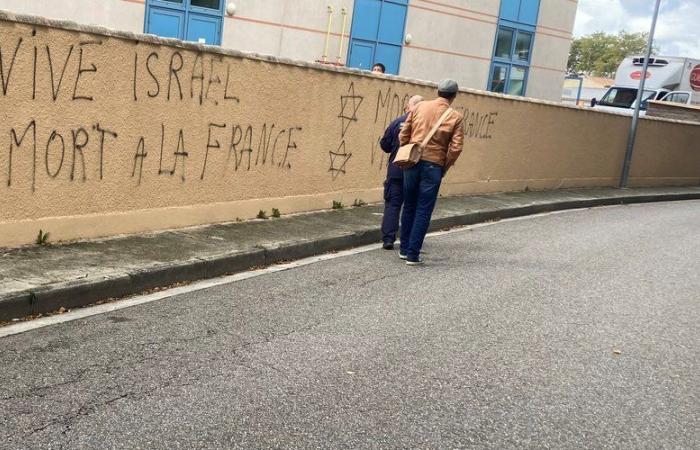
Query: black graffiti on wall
{"x":268,"y":151}
{"x":478,"y":124}
{"x":69,"y":72}
{"x":349,"y":107}
{"x":53,"y":63}
{"x":59,"y":150}
{"x":206,"y":79}
{"x":234,"y":147}
{"x":389,"y":106}
{"x":339,"y":159}
{"x":78,"y":151}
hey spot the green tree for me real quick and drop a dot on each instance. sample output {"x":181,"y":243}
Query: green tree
{"x":600,"y":53}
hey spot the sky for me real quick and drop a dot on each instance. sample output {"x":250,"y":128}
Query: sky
{"x":677,"y":29}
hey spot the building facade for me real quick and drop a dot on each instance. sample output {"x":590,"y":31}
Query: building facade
{"x":519,"y":47}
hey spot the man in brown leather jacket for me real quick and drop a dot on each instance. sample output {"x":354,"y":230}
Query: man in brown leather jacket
{"x":421,"y":182}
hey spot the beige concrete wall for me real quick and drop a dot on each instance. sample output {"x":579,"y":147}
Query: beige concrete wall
{"x":115,"y":133}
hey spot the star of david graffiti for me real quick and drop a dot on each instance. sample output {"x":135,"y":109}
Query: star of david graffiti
{"x":339,"y":160}
{"x":349,"y":104}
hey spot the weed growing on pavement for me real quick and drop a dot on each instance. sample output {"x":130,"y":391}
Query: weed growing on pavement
{"x":262,"y":214}
{"x":338,"y":205}
{"x":276,"y":213}
{"x":42,"y":238}
{"x":359,"y":202}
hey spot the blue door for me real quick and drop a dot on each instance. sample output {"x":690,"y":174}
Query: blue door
{"x":203,"y":28}
{"x":166,"y":22}
{"x":361,"y":54}
{"x":191,"y":20}
{"x":377,"y":34}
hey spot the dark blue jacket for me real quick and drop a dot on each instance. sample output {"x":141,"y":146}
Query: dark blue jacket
{"x":390,"y":144}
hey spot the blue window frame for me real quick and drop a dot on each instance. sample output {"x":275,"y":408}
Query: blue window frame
{"x":512,"y":49}
{"x":520,"y":11}
{"x":377,"y":34}
{"x":191,"y":20}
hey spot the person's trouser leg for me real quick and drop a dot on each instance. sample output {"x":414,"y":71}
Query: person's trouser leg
{"x":411,"y":180}
{"x":428,"y":187}
{"x":393,"y":198}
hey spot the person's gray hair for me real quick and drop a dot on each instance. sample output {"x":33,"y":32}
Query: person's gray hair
{"x":413,"y":101}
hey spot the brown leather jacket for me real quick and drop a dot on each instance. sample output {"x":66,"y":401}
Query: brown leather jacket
{"x":446,"y":145}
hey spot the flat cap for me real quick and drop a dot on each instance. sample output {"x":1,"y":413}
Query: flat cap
{"x":448,"y":86}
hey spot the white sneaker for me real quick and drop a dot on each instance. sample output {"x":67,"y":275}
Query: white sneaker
{"x":402,"y":256}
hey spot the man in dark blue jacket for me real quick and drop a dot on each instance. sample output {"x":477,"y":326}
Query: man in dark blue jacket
{"x":393,"y":186}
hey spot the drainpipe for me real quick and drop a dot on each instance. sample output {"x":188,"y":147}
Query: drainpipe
{"x":344,"y":11}
{"x":324,"y":58}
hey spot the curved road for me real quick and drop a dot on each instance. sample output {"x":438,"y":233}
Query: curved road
{"x":571,"y":330}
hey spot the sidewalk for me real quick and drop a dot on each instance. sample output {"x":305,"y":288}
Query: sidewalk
{"x":43,"y":279}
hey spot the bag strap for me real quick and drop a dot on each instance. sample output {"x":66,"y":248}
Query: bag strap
{"x":435,"y":128}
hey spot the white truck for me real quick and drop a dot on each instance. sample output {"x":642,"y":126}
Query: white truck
{"x":670,"y":79}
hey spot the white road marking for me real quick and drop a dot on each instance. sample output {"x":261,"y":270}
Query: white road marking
{"x":129,"y":302}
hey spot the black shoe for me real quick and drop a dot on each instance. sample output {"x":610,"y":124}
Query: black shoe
{"x":414,"y":262}
{"x":388,"y":246}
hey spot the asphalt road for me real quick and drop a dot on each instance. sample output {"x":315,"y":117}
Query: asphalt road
{"x":573,"y":330}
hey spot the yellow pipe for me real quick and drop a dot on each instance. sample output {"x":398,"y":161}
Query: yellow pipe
{"x":344,"y":11}
{"x":328,"y":33}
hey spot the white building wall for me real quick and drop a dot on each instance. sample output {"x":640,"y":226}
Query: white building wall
{"x":293,"y":29}
{"x":558,"y":15}
{"x":453,"y":41}
{"x":127,"y":15}
{"x":551,"y":50}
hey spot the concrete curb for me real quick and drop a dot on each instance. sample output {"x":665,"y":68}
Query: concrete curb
{"x":83,"y":293}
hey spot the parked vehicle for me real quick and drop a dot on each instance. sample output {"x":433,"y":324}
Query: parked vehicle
{"x":670,"y":79}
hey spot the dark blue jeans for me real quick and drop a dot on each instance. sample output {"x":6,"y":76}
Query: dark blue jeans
{"x":421,"y":184}
{"x":393,"y":199}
